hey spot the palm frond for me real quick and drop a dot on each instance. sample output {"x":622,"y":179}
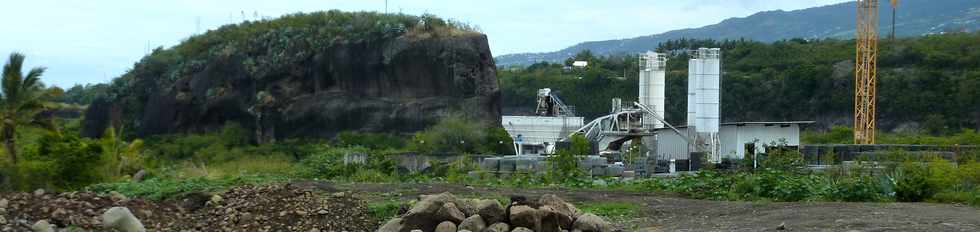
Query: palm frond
{"x":33,"y":78}
{"x":14,"y":64}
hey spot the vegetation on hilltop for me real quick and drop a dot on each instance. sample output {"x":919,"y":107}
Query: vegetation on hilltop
{"x":926,"y":84}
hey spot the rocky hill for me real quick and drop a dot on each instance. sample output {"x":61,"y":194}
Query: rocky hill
{"x":914,"y":18}
{"x":308,"y":75}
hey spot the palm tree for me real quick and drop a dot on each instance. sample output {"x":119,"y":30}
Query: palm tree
{"x":20,"y":101}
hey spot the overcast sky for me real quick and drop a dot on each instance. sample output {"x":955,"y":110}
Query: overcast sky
{"x":92,"y":41}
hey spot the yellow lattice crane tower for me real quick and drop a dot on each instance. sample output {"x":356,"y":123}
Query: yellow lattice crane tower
{"x":865,"y":72}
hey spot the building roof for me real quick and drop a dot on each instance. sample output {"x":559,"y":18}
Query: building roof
{"x":758,"y":123}
{"x":766,"y":123}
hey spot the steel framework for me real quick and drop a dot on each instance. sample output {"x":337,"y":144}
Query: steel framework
{"x":865,"y":72}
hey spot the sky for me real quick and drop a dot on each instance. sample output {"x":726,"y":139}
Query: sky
{"x":93,"y":41}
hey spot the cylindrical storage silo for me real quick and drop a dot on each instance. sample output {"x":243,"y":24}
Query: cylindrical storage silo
{"x":653,"y":82}
{"x":709,"y":91}
{"x":692,"y":89}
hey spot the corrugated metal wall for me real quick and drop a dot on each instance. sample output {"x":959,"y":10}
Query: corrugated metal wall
{"x":733,"y":139}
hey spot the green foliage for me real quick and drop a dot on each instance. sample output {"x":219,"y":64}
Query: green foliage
{"x":233,"y":135}
{"x":563,"y":166}
{"x":120,"y":156}
{"x":384,"y":210}
{"x":783,"y":160}
{"x":328,"y":163}
{"x":776,"y":185}
{"x":457,"y":134}
{"x":82,"y":94}
{"x":266,"y":49}
{"x":963,"y":197}
{"x":159,"y":189}
{"x":619,"y":212}
{"x":836,"y":135}
{"x":498,"y":141}
{"x":857,"y":189}
{"x":64,"y":162}
{"x":20,"y":101}
{"x":912,"y":184}
{"x":370,"y":140}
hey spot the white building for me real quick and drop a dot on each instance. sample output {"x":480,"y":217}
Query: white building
{"x":539,"y":134}
{"x":736,"y":138}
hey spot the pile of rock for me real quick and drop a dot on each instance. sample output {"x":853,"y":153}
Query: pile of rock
{"x":280,"y":208}
{"x":44,"y":211}
{"x":446,"y":213}
{"x":245,"y":208}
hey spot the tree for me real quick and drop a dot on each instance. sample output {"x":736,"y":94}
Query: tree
{"x":20,"y":101}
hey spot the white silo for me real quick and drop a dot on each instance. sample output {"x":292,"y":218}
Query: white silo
{"x":693,"y":67}
{"x":653,"y":83}
{"x":707,"y":119}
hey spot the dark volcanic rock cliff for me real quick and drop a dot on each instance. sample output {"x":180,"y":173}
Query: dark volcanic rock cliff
{"x":310,"y":82}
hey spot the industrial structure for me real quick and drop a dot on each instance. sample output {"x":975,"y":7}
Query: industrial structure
{"x":538,"y":135}
{"x":643,"y":122}
{"x":865,"y":72}
{"x":704,"y":102}
{"x":653,"y":86}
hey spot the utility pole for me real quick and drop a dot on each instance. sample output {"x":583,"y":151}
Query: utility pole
{"x":386,"y":6}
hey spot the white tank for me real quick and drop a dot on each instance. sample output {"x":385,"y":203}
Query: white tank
{"x":708,"y":92}
{"x":653,"y":84}
{"x":693,"y":67}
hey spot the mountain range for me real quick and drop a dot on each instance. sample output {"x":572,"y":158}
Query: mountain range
{"x":913,"y":18}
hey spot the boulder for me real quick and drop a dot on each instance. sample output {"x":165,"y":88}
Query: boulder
{"x":566,"y":212}
{"x":468,"y":206}
{"x":138,"y":177}
{"x":42,"y":226}
{"x":4,"y":203}
{"x":473,"y":223}
{"x":446,"y":226}
{"x":194,"y":200}
{"x":498,"y":227}
{"x":525,"y":216}
{"x":432,"y":210}
{"x":215,"y":199}
{"x":39,"y":192}
{"x":550,"y":220}
{"x":121,"y":219}
{"x":450,"y":212}
{"x":521,"y":229}
{"x":429,"y":204}
{"x":491,"y":211}
{"x":117,"y":197}
{"x":591,"y":223}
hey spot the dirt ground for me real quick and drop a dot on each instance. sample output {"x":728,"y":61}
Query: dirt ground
{"x":671,"y":213}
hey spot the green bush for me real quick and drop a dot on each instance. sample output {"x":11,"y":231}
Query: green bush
{"x":63,"y":162}
{"x":455,"y":133}
{"x":912,"y":183}
{"x":328,"y":163}
{"x":856,"y":189}
{"x":776,"y":185}
{"x":370,"y":140}
{"x":964,"y":197}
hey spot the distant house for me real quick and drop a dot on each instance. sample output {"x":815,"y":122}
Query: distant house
{"x":580,"y":64}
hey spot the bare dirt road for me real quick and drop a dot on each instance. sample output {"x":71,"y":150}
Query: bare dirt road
{"x":661,"y":212}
